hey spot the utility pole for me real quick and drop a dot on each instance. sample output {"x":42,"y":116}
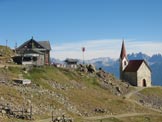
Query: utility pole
{"x":6,"y":45}
{"x":15,"y":46}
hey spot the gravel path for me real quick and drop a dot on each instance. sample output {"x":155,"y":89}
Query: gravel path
{"x":117,"y":116}
{"x":138,"y":89}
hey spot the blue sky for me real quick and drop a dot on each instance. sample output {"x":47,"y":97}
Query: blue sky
{"x":99,"y":25}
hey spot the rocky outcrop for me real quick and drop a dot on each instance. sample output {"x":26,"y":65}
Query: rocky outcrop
{"x":88,"y":68}
{"x":108,"y":81}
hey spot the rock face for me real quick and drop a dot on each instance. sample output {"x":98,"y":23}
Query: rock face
{"x":91,"y":68}
{"x":109,"y":82}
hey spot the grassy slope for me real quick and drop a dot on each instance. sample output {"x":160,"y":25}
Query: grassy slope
{"x":5,"y":53}
{"x":150,"y":93}
{"x":80,"y":90}
{"x":150,"y":97}
{"x":154,"y":91}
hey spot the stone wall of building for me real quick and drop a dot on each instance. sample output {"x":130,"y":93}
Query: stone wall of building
{"x":131,"y":77}
{"x":143,"y":75}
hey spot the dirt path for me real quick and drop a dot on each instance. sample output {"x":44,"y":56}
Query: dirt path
{"x":106,"y":116}
{"x":118,"y":116}
{"x":138,"y":89}
{"x":127,"y":96}
{"x":43,"y":120}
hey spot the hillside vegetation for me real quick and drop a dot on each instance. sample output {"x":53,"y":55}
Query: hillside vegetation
{"x":75,"y":93}
{"x":5,"y":54}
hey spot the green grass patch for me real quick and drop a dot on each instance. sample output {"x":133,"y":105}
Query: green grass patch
{"x":152,"y":91}
{"x":16,"y":70}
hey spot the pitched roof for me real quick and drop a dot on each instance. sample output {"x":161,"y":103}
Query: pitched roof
{"x":25,"y":43}
{"x":134,"y":65}
{"x":123,"y":51}
{"x":71,"y":60}
{"x":45,"y":44}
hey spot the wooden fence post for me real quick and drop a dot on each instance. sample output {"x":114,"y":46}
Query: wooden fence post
{"x":52,"y":117}
{"x":30,"y":112}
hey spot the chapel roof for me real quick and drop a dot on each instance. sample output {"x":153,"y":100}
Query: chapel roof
{"x":134,"y":65}
{"x":123,"y":51}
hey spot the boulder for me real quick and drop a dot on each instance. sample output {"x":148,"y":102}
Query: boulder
{"x":91,"y":68}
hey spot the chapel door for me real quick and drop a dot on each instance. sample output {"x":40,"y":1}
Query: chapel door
{"x":144,"y":83}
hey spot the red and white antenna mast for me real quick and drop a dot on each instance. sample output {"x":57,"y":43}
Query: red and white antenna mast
{"x":83,"y":50}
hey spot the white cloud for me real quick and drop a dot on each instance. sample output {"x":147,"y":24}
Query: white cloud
{"x":103,"y":48}
{"x":148,"y":47}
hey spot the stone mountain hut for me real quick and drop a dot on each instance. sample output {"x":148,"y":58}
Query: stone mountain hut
{"x":33,"y":52}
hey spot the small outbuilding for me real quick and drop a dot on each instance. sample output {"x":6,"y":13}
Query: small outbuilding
{"x":23,"y":81}
{"x":71,"y":63}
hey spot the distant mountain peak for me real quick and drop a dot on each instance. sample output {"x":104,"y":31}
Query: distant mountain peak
{"x":139,"y":55}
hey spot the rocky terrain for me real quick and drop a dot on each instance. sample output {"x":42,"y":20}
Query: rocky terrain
{"x":151,"y":97}
{"x":77,"y":93}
